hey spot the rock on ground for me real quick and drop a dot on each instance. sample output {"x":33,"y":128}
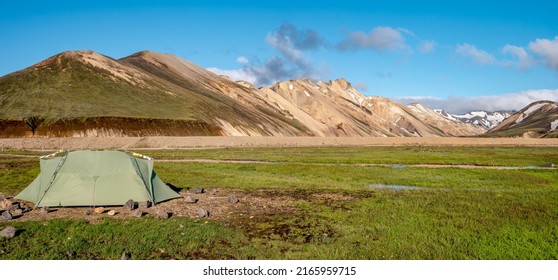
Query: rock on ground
{"x":233,"y":199}
{"x":137,"y":213}
{"x":144,"y":204}
{"x":161,"y":214}
{"x":197,"y":190}
{"x":129,"y":205}
{"x":8,"y":232}
{"x":202,"y":213}
{"x":6,"y":216}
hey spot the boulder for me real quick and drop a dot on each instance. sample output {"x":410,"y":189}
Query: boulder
{"x":197,"y":190}
{"x":129,"y":205}
{"x":99,"y":210}
{"x":144,"y":204}
{"x":189,"y":199}
{"x":161,"y":214}
{"x":5,"y":204}
{"x":112,"y":213}
{"x":137,"y":213}
{"x":202,"y":213}
{"x":233,"y":199}
{"x":6,"y":216}
{"x":8,"y":232}
{"x":16,"y":212}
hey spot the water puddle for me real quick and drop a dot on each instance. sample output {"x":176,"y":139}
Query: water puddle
{"x":394,"y":187}
{"x":415,"y":188}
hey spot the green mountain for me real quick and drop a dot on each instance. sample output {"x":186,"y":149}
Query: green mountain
{"x":80,"y":88}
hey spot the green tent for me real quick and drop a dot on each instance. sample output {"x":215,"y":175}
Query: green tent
{"x":95,"y":178}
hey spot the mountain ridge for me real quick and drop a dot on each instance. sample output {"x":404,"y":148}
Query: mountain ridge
{"x":88,"y":86}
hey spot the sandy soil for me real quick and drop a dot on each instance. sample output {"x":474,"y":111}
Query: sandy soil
{"x":73,"y":143}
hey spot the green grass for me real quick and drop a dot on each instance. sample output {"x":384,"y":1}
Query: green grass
{"x":485,"y":156}
{"x":458,"y":214}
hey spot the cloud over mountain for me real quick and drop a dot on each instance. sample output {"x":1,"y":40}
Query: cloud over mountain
{"x":460,"y":105}
{"x":291,"y":62}
{"x":479,"y":56}
{"x":381,"y":38}
{"x":548,"y":50}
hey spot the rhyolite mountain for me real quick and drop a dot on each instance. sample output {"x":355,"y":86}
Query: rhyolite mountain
{"x":83,"y":93}
{"x":538,"y":119}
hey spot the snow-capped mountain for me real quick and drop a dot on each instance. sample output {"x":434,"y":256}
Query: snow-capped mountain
{"x":538,"y":119}
{"x":485,"y":119}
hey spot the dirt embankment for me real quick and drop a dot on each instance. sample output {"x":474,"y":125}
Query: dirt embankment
{"x":72,"y":143}
{"x":106,"y":127}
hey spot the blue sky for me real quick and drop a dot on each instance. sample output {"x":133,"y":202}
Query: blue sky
{"x":457,"y":55}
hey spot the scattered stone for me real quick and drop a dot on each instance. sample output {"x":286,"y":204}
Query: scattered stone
{"x":88,"y":212}
{"x":99,"y":210}
{"x":2,"y":196}
{"x":44,"y":210}
{"x":5,"y":204}
{"x":233,"y":199}
{"x":129,"y":205}
{"x":137,"y":213}
{"x":16,"y":212}
{"x":161,"y":214}
{"x":126,"y":256}
{"x":144,"y":204}
{"x":213,"y":192}
{"x":189,"y":199}
{"x":197,"y":190}
{"x":111,"y":213}
{"x":71,"y":254}
{"x":6,"y":216}
{"x":8,"y":232}
{"x":202,"y":213}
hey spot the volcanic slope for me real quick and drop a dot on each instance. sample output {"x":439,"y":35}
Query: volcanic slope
{"x":83,"y":93}
{"x":87,"y":86}
{"x":538,"y":119}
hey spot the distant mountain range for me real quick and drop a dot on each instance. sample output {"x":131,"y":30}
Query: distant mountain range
{"x":83,"y":93}
{"x":485,"y":119}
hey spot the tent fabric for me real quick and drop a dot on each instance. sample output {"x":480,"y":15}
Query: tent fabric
{"x":96,"y":178}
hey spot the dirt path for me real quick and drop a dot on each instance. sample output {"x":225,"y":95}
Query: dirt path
{"x":73,"y":143}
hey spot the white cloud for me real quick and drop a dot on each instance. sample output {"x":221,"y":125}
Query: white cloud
{"x":361,"y":86}
{"x":427,"y":46}
{"x":235,"y":74}
{"x":379,"y":39}
{"x":460,"y":105}
{"x":242,"y":59}
{"x":479,"y":56}
{"x":524,"y":59}
{"x":548,"y":50}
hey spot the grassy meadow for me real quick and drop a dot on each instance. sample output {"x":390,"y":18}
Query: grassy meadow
{"x":453,"y":213}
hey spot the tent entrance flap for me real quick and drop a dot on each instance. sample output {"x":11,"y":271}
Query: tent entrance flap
{"x":96,"y":178}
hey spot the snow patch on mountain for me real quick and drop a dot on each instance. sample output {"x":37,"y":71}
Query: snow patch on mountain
{"x":480,"y":118}
{"x":529,"y":111}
